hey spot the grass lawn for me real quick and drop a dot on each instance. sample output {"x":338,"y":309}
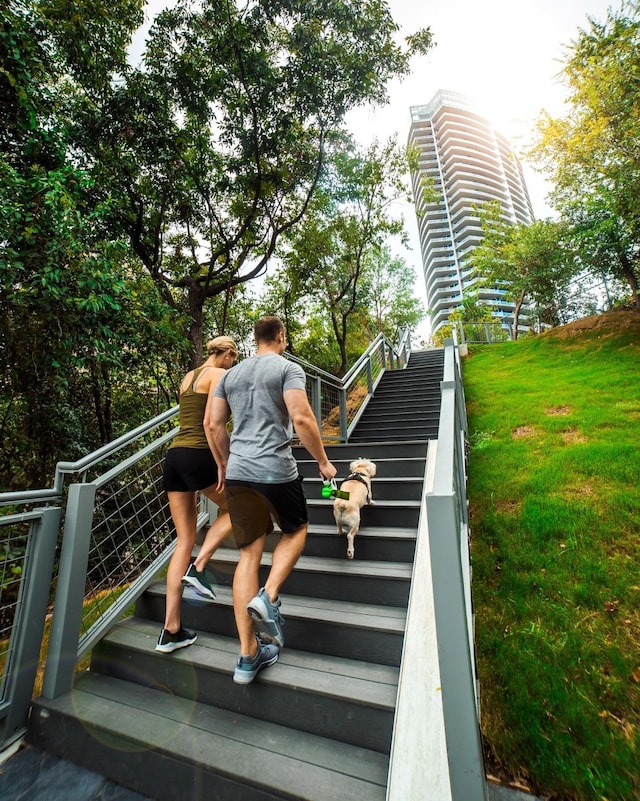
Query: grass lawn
{"x":554,"y":492}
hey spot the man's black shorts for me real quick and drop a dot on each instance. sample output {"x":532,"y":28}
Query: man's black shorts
{"x":254,"y":506}
{"x":189,"y":470}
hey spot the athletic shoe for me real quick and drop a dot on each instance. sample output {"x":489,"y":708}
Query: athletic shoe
{"x":199,"y":581}
{"x":267,"y":618}
{"x":247,"y":668}
{"x":168,"y":642}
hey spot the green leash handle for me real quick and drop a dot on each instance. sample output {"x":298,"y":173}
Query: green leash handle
{"x":330,"y":490}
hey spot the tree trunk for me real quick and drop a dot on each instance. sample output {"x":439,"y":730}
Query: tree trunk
{"x":196,"y":303}
{"x":516,"y":315}
{"x":627,"y":271}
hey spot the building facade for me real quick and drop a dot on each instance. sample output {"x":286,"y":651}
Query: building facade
{"x":468,"y":163}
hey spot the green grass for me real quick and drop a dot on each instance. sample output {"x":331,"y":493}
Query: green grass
{"x":554,"y":491}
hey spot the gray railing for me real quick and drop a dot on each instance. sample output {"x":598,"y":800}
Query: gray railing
{"x":486,"y":333}
{"x":437,"y":750}
{"x":338,"y":403}
{"x":117,"y":536}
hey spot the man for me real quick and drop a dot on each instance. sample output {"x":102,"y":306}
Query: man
{"x":263,"y":395}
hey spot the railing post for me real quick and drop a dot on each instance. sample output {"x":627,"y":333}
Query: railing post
{"x":316,"y":399}
{"x":29,"y":627}
{"x":67,"y":610}
{"x":343,"y":415}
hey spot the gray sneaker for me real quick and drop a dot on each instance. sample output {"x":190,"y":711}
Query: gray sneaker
{"x":267,"y":618}
{"x":199,"y":581}
{"x":247,"y":668}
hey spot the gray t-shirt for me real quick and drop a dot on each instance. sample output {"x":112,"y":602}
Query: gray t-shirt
{"x":260,"y":447}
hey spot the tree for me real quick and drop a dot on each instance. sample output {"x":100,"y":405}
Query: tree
{"x":391,"y":291}
{"x":71,"y":308}
{"x":592,"y":154}
{"x":331,"y":254}
{"x":528,"y":261}
{"x":212,"y":149}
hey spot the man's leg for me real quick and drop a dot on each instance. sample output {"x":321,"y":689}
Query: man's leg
{"x":285,"y":555}
{"x":245,"y":586}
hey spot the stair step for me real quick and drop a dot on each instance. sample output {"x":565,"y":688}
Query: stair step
{"x":389,"y":544}
{"x":326,"y":577}
{"x":380,"y":436}
{"x":353,"y":630}
{"x":371,"y":449}
{"x":344,"y":699}
{"x":382,"y":488}
{"x":166,"y":747}
{"x":383,"y":513}
{"x":395,"y":468}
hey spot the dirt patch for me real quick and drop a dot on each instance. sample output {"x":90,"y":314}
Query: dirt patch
{"x":509,"y":507}
{"x":572,"y":436}
{"x":558,"y":410}
{"x":331,"y":423}
{"x":609,"y":323}
{"x":523,"y":431}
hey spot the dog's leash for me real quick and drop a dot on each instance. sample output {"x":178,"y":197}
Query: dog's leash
{"x":330,"y":490}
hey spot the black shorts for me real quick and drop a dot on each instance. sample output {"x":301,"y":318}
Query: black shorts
{"x":189,"y":470}
{"x":254,"y":506}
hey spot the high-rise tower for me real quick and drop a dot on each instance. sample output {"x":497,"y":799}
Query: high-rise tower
{"x":469,"y":163}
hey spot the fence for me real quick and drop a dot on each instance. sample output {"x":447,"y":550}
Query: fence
{"x":339,"y":403}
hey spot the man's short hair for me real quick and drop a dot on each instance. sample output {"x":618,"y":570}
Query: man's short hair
{"x":267,"y":329}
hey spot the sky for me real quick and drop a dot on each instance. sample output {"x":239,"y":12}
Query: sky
{"x":506,"y":55}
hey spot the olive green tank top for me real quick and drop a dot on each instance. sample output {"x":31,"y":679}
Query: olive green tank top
{"x":191,"y":414}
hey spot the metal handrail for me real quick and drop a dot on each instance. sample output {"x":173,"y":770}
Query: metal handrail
{"x":436,"y":744}
{"x":329,"y":394}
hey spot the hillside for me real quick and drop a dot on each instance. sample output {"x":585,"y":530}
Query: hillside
{"x":554,"y":426}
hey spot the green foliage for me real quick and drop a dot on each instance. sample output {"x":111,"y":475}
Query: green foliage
{"x":212,"y":148}
{"x":529,"y":262}
{"x":591,"y":155}
{"x":72,"y":312}
{"x":554,"y":503}
{"x":138,"y":202}
{"x":337,"y":255}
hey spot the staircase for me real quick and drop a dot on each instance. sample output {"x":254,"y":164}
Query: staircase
{"x":318,"y":724}
{"x":406,"y":403}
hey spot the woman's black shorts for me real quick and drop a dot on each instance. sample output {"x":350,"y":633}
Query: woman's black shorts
{"x":189,"y":470}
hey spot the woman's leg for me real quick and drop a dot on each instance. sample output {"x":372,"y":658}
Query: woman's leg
{"x":183,"y":509}
{"x":217,"y":532}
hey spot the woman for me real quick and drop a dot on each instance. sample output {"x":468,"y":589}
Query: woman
{"x":190,"y":468}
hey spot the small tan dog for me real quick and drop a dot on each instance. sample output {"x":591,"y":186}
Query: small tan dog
{"x":347,"y":513}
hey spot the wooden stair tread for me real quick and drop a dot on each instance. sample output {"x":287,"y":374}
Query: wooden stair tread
{"x":325,"y":564}
{"x":347,"y":679}
{"x":248,"y":750}
{"x":374,"y":616}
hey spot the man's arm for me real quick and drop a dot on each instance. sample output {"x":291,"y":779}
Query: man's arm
{"x":306,"y":427}
{"x":215,"y":428}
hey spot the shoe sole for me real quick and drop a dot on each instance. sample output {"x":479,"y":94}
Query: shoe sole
{"x":267,"y":628}
{"x":173,"y":646}
{"x":188,"y":581}
{"x":246,"y":677}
